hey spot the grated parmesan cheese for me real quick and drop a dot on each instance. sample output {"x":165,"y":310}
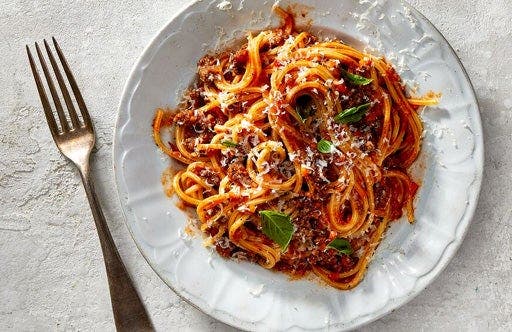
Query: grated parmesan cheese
{"x":225,"y":5}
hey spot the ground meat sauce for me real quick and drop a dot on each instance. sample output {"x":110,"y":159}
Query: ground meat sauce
{"x":312,"y":233}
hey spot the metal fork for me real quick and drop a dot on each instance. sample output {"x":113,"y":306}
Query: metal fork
{"x":75,"y":141}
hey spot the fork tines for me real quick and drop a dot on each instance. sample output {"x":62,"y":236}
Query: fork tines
{"x":65,"y":126}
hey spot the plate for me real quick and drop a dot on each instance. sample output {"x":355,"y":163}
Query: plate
{"x":245,"y":295}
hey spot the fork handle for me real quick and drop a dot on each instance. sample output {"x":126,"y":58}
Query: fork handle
{"x":129,"y":312}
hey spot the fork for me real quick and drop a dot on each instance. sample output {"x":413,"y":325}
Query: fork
{"x":75,"y":141}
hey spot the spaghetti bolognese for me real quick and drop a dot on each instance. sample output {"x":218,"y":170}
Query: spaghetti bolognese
{"x":295,"y":152}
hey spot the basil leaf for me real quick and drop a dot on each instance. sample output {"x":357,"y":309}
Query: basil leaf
{"x":304,"y":107}
{"x":229,"y":144}
{"x":356,"y":79}
{"x":278,"y":227}
{"x":303,"y":112}
{"x":325,"y":146}
{"x":353,"y":114}
{"x":341,"y":245}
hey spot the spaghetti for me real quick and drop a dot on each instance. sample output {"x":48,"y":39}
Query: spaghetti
{"x":296,"y":152}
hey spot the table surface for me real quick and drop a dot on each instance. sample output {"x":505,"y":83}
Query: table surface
{"x":52,"y":274}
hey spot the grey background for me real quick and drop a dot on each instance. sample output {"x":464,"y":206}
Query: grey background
{"x":51,"y":271}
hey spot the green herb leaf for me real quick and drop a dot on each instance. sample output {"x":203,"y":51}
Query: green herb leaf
{"x":341,"y":245}
{"x":303,"y":112}
{"x":304,"y":107}
{"x":353,"y":114}
{"x":356,"y":79}
{"x":325,"y":146}
{"x":278,"y":227}
{"x":229,"y":144}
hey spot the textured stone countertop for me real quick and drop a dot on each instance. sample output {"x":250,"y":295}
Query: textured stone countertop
{"x":52,"y":275}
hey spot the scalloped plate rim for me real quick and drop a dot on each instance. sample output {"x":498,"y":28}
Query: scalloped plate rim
{"x":393,"y":303}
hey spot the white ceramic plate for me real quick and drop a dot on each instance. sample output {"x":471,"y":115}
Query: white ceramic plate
{"x":246,"y":295}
